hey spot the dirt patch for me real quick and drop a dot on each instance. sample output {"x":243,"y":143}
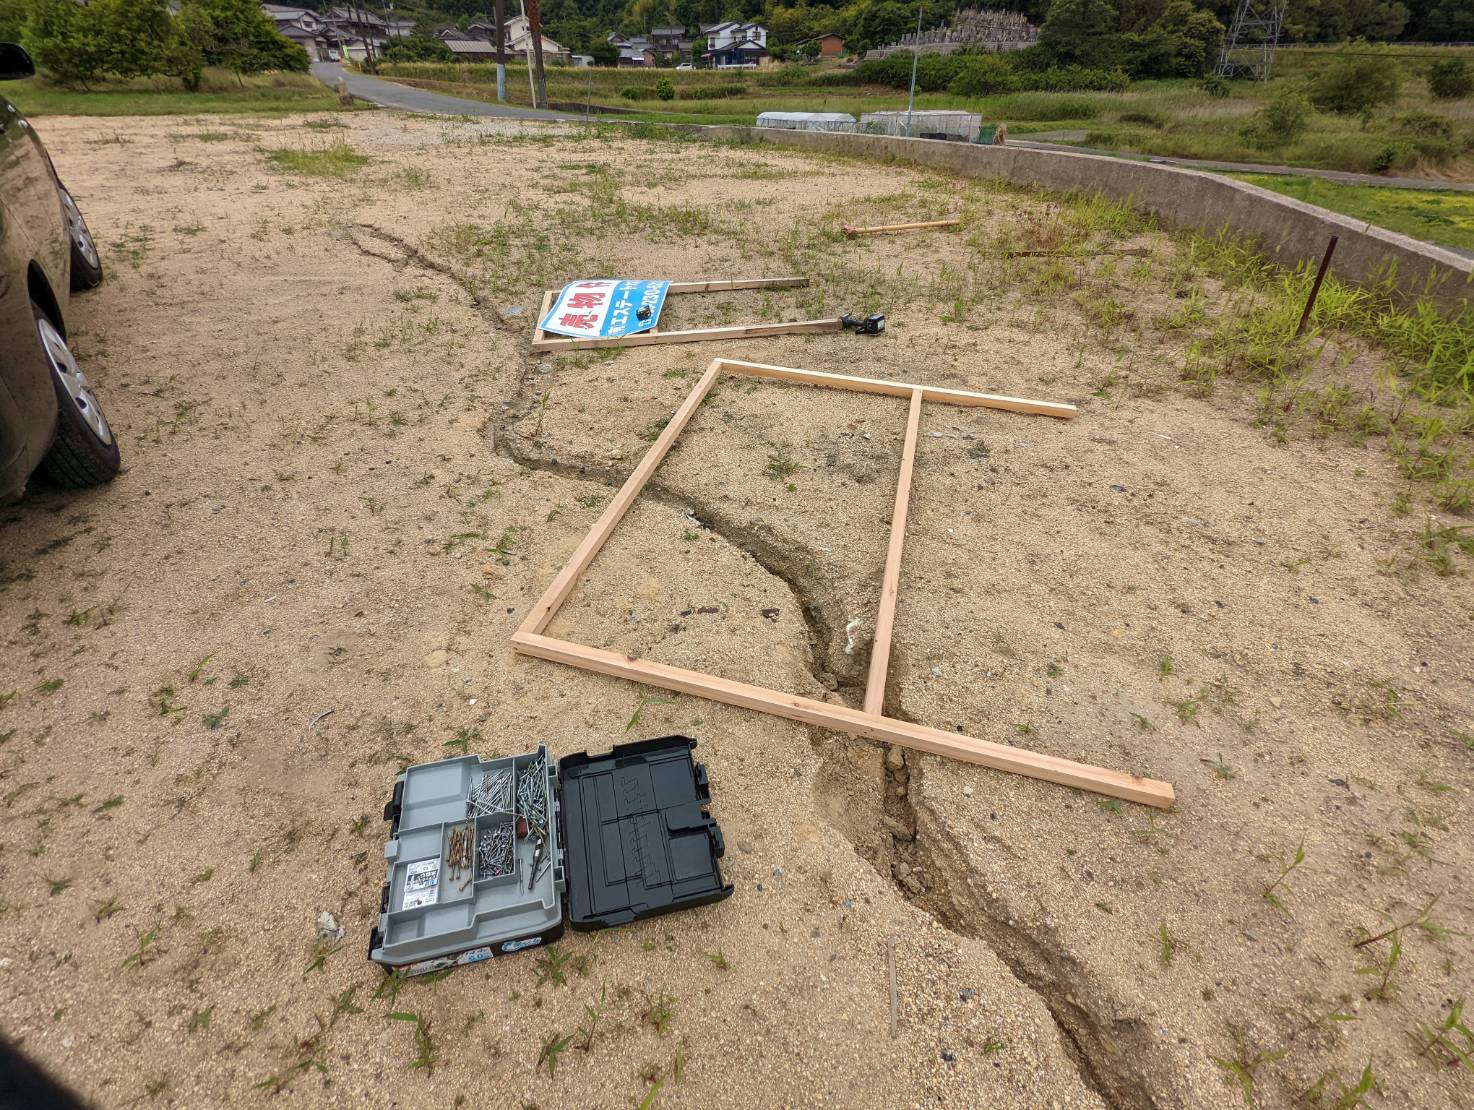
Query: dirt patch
{"x":348,"y":480}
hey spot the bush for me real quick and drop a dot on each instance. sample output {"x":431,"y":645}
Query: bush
{"x":1357,"y":80}
{"x":1424,"y":124}
{"x":415,"y":48}
{"x":633,"y":92}
{"x":982,"y":75}
{"x":664,"y":89}
{"x":1215,"y":86}
{"x":1278,"y":123}
{"x":1450,"y":79}
{"x":1075,"y":79}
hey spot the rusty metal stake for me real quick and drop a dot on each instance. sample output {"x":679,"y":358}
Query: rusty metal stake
{"x":1325,"y":264}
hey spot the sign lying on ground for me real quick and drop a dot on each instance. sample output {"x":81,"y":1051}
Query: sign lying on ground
{"x":606,"y":308}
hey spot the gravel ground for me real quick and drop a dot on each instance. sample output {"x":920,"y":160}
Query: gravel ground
{"x":348,"y":480}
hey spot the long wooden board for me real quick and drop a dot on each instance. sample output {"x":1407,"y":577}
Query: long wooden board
{"x":880,"y":648}
{"x":901,"y":389}
{"x":583,"y":555}
{"x":690,"y":335}
{"x":529,"y":639}
{"x":842,"y":718}
{"x":880,"y":229}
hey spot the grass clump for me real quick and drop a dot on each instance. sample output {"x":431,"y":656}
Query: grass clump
{"x":336,"y":160}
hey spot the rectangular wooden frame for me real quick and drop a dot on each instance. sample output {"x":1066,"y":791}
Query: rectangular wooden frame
{"x":546,"y":341}
{"x":529,"y":639}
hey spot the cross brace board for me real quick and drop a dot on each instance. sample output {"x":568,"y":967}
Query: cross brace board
{"x":543,"y":342}
{"x":530,"y":637}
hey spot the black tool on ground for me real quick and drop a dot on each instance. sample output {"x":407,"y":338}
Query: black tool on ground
{"x":873,"y":324}
{"x":618,"y":837}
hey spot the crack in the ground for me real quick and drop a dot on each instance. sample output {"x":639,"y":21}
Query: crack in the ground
{"x":927,"y":865}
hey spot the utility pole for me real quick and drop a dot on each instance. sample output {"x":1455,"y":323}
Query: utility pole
{"x":535,"y":30}
{"x":526,"y":57}
{"x":915,"y":53}
{"x":501,"y":50}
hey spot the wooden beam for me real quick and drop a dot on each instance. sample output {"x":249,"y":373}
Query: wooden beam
{"x":880,"y":648}
{"x":693,"y":335}
{"x":542,"y":314}
{"x":901,"y":389}
{"x":677,"y":287}
{"x":842,"y":718}
{"x":583,"y":555}
{"x":851,"y":231}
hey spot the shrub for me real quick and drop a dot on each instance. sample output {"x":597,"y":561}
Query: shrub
{"x":1450,"y":79}
{"x":1278,"y":123}
{"x":632,"y":92}
{"x":1075,"y":79}
{"x":1147,"y":119}
{"x":664,"y":89}
{"x":1215,"y":87}
{"x":1357,"y":80}
{"x":982,"y":75}
{"x":1424,"y":124}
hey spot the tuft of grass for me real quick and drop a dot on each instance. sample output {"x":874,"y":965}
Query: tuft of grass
{"x":1451,"y":1038}
{"x":660,"y":1011}
{"x":427,"y":1053}
{"x":1245,"y":1063}
{"x":1272,"y":892}
{"x":1167,"y":945}
{"x":551,"y":1050}
{"x":335,"y":160}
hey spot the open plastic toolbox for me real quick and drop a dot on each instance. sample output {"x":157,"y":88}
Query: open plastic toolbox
{"x":484,"y":854}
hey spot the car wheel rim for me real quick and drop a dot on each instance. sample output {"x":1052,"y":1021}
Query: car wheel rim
{"x":77,"y":227}
{"x":64,"y":366}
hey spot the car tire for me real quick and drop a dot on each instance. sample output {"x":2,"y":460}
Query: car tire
{"x":86,"y":263}
{"x":85,"y":450}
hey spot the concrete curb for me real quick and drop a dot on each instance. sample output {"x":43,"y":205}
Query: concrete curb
{"x":1286,"y":229}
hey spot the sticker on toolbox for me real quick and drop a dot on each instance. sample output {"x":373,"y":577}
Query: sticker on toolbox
{"x":421,"y":883}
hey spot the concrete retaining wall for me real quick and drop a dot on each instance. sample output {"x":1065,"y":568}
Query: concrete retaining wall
{"x":1285,"y":229}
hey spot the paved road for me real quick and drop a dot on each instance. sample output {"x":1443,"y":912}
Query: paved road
{"x":387,"y":94}
{"x":1034,"y":142}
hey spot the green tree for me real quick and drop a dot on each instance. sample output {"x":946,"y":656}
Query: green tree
{"x":1280,"y":122}
{"x":135,"y":35}
{"x":1358,"y":79}
{"x":1081,"y":32}
{"x":1450,"y":79}
{"x":237,"y":35}
{"x":64,"y":40}
{"x":13,"y":19}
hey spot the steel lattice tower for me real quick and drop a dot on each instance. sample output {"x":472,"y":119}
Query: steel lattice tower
{"x":1249,"y":46}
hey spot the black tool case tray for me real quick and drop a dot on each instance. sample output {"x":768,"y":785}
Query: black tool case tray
{"x":637,"y":838}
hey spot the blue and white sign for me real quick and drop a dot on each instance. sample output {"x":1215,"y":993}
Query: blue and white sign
{"x":606,"y":308}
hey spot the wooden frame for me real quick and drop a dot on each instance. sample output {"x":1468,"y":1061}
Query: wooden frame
{"x":545,"y":341}
{"x":530,"y":638}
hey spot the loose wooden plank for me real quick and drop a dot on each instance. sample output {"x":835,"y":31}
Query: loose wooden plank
{"x":692,"y":335}
{"x":542,"y":314}
{"x":842,"y":718}
{"x":880,"y":648}
{"x":741,"y":283}
{"x":878,"y":229}
{"x":902,"y":389}
{"x":583,"y":555}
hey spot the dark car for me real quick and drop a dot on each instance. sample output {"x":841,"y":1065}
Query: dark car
{"x":49,"y":418}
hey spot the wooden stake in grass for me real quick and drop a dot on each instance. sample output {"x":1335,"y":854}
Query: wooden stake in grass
{"x":1325,"y":264}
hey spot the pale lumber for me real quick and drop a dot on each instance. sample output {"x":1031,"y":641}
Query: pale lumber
{"x":852,"y":231}
{"x":880,"y":648}
{"x":901,"y":389}
{"x":740,"y":283}
{"x":583,"y":555}
{"x":542,"y":314}
{"x":842,"y":718}
{"x":693,"y":335}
